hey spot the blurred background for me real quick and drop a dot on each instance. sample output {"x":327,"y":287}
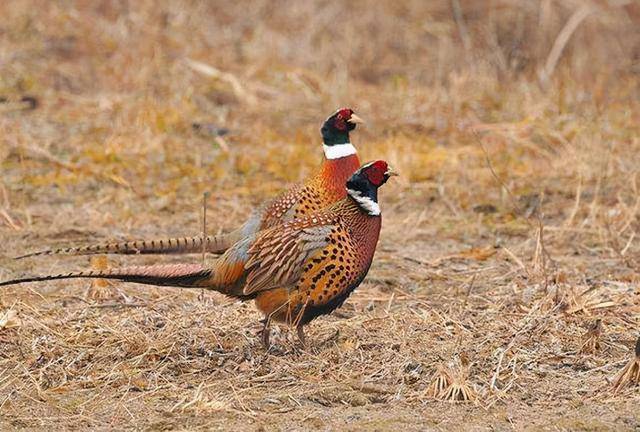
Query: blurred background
{"x":550,"y":86}
{"x":515,"y":126}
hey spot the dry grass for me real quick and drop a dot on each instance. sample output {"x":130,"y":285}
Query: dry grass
{"x":513,"y":229}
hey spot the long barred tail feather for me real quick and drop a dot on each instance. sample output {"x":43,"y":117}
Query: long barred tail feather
{"x":185,"y":245}
{"x":176,"y":275}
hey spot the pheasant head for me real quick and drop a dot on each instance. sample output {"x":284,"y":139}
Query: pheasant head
{"x":363,"y":185}
{"x":335,"y":133}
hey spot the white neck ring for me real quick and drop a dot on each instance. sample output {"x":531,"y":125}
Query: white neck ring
{"x":365,"y":203}
{"x":338,"y":151}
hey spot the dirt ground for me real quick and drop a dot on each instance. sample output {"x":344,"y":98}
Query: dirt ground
{"x":504,"y":293}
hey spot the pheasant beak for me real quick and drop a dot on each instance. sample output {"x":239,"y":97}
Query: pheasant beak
{"x":390,"y":172}
{"x":355,"y":119}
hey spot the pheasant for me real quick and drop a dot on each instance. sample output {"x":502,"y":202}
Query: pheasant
{"x":318,"y":192}
{"x":296,"y":271}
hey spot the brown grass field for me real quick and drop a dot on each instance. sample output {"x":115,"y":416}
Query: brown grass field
{"x":507,"y":271}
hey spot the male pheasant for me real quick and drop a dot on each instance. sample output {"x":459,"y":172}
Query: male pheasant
{"x":318,"y":192}
{"x":295,"y":271}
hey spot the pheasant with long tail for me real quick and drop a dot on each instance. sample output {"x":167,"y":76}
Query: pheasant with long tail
{"x":318,"y":192}
{"x":295,"y":271}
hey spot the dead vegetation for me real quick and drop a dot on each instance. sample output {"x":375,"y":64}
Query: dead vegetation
{"x":506,"y":279}
{"x":630,"y":374}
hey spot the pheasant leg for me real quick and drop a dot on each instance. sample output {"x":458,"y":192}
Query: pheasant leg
{"x":301,"y":336}
{"x":265,"y":333}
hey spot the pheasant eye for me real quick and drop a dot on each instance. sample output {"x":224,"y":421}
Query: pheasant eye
{"x":345,"y":113}
{"x":339,"y":123}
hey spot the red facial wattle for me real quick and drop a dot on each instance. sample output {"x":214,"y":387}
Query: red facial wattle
{"x":340,"y":123}
{"x":345,"y":113}
{"x":342,"y":116}
{"x":376,"y":171}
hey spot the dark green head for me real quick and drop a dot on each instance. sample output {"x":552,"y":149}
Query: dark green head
{"x":335,"y":130}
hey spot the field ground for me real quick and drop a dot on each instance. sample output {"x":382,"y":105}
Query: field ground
{"x":511,"y":234}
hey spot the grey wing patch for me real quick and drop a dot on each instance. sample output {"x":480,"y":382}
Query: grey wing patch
{"x":240,"y":250}
{"x":252,"y":225}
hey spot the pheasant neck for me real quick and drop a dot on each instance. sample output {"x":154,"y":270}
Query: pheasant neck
{"x":366,"y":200}
{"x":365,"y":228}
{"x":335,"y":173}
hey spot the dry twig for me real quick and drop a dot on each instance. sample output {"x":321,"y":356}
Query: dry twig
{"x":591,"y":339}
{"x":630,"y":374}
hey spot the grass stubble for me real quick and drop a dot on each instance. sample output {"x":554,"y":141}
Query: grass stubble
{"x":504,"y":289}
